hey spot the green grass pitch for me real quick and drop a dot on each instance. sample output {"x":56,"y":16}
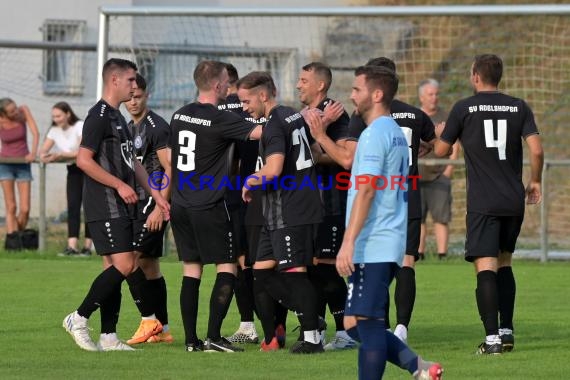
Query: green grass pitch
{"x":37,"y":291}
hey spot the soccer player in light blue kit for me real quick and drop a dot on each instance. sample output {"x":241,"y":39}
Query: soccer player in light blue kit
{"x":375,"y":238}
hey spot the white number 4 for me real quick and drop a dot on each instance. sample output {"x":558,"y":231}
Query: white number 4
{"x":501,"y":142}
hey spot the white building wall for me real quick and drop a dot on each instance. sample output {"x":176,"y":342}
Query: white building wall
{"x":24,"y":22}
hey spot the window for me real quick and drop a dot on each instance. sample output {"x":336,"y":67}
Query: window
{"x":63,"y":69}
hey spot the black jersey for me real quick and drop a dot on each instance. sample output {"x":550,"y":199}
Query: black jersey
{"x":200,"y":138}
{"x":105,"y":133}
{"x":150,"y":135}
{"x":490,"y":126}
{"x":416,"y":125}
{"x":334,"y":200}
{"x":295,"y":200}
{"x":245,"y":153}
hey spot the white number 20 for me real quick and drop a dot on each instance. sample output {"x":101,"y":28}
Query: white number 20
{"x":501,"y":142}
{"x":300,"y":137}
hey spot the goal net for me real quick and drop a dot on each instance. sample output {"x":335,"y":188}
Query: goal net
{"x":535,"y":50}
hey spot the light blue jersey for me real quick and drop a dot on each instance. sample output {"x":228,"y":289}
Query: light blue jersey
{"x":382,"y":151}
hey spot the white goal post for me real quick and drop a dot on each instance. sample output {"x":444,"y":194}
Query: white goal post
{"x":425,"y":42}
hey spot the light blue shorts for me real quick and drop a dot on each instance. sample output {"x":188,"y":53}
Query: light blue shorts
{"x":15,"y":172}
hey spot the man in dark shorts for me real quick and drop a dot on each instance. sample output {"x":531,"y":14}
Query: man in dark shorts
{"x":490,"y":126}
{"x":150,"y":134}
{"x":106,"y":157}
{"x":291,"y":213}
{"x":244,"y":157}
{"x":416,"y":126}
{"x":375,"y":237}
{"x":201,"y":135}
{"x":313,"y":84}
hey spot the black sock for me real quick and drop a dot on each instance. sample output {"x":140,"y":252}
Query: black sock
{"x":441,"y":255}
{"x":281,"y":313}
{"x":110,"y":311}
{"x":353,"y":333}
{"x":487,"y":301}
{"x":139,"y":290}
{"x":189,"y":294}
{"x":101,"y":288}
{"x":159,"y":298}
{"x":507,"y":289}
{"x":220,"y":301}
{"x":405,"y":295}
{"x":244,"y":294}
{"x":265,"y":304}
{"x":317,"y":276}
{"x":335,"y":294}
{"x":305,"y":297}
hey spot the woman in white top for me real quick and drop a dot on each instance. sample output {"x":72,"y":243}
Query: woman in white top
{"x":65,"y":135}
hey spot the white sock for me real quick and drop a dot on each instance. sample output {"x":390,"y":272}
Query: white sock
{"x":152,"y":316}
{"x":165,"y":328}
{"x":109,"y":337}
{"x":79,"y":318}
{"x":401,"y":332}
{"x":505,"y":332}
{"x":312,"y":336}
{"x":246,"y":326}
{"x":492,"y":339}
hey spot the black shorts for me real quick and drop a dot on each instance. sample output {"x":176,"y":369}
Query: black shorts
{"x":238,"y":230}
{"x":329,"y":236}
{"x":149,"y":243}
{"x":203,"y":236}
{"x":413,"y":237}
{"x":290,"y":246}
{"x":488,"y":234}
{"x":112,"y":235}
{"x":253,"y":233}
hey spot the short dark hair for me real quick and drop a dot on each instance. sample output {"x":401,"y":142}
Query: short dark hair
{"x":141,"y":82}
{"x":206,"y":72}
{"x":322,"y":70}
{"x":382,"y":62}
{"x":117,"y":64}
{"x":378,"y":77}
{"x":66,"y":108}
{"x":257,"y":79}
{"x":489,"y":67}
{"x":232,"y":73}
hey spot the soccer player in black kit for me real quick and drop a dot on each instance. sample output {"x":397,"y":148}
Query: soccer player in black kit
{"x":200,"y":138}
{"x":416,"y":125}
{"x":150,"y":134}
{"x":490,"y":126}
{"x":313,"y":84}
{"x":244,"y":157}
{"x":291,"y":214}
{"x":111,"y":170}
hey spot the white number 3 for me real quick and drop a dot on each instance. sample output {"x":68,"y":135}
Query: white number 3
{"x":501,"y":142}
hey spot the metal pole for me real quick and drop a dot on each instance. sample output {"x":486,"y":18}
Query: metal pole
{"x":544,"y":214}
{"x":42,"y":218}
{"x":102,"y":47}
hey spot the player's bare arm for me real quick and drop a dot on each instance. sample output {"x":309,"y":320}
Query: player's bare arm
{"x":358,"y":215}
{"x":91,"y":168}
{"x":155,"y":218}
{"x":142,"y":179}
{"x":256,"y":133}
{"x":272,"y":168}
{"x":536,"y":157}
